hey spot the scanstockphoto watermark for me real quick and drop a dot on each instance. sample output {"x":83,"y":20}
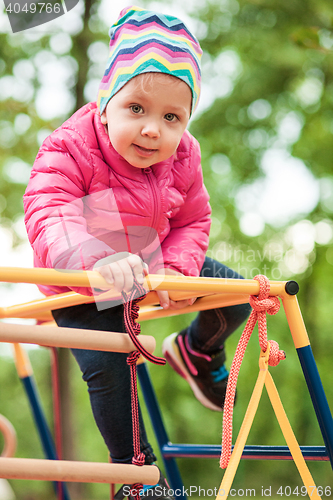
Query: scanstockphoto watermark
{"x":26,"y":14}
{"x":225,"y":252}
{"x":249,"y":262}
{"x":242,"y":263}
{"x":163,"y":491}
{"x":89,"y":233}
{"x":220,"y":493}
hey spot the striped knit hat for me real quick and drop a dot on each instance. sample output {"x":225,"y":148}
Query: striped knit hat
{"x":144,"y":41}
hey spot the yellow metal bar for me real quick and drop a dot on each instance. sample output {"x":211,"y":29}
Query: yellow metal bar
{"x":35,"y":308}
{"x":245,"y":427}
{"x":290,"y":438}
{"x":54,"y":277}
{"x":230,"y":291}
{"x":40,"y":308}
{"x":202,"y":304}
{"x":295,"y":321}
{"x":265,"y":377}
{"x":22,"y":362}
{"x":40,"y":318}
{"x":204,"y":285}
{"x":94,"y":279}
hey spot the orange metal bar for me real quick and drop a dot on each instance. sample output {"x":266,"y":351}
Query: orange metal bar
{"x":94,"y":279}
{"x":22,"y":362}
{"x":37,"y":307}
{"x":231,"y":291}
{"x":54,"y":277}
{"x":85,"y":472}
{"x":202,"y":304}
{"x":40,"y":308}
{"x":45,"y":317}
{"x":72,"y":337}
{"x":46,"y":304}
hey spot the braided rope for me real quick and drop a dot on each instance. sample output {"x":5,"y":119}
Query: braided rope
{"x":131,"y":314}
{"x":261,"y":304}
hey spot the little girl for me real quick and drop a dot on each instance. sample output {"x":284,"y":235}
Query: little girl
{"x":118,"y":188}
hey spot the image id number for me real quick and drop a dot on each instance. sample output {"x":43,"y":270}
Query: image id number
{"x":33,"y":8}
{"x":287,"y":491}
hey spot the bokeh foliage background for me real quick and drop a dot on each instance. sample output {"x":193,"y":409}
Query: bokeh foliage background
{"x":265,"y":126}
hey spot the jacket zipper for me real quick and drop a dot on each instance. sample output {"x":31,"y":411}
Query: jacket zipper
{"x":155,"y":198}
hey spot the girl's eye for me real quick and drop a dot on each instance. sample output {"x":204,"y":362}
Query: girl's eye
{"x":170,"y":117}
{"x":136,"y":108}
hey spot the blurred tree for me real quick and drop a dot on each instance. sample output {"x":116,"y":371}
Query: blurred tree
{"x":265,"y":126}
{"x":24,"y":123}
{"x":267,"y":148}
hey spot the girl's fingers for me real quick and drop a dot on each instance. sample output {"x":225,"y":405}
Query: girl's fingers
{"x":163,"y":298}
{"x":127,"y":273}
{"x":121,"y":272}
{"x":106,"y":273}
{"x":138,"y":267}
{"x":180,"y":304}
{"x":123,"y":278}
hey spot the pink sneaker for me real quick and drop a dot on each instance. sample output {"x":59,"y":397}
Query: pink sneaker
{"x":206,"y":374}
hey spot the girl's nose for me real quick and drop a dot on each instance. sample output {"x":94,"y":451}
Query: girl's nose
{"x":151,"y":130}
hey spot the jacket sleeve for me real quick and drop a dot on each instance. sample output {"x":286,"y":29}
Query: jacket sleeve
{"x":54,"y":206}
{"x":185,"y":246}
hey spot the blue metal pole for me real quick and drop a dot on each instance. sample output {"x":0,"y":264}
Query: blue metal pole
{"x":25,"y":372}
{"x":153,"y":408}
{"x":43,"y":429}
{"x":40,"y":421}
{"x":250,"y":452}
{"x":318,"y":397}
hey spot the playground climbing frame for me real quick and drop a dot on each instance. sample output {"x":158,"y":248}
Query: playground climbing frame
{"x":213,"y":293}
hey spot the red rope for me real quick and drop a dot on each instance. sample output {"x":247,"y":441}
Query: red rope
{"x":138,"y":457}
{"x":131,"y":314}
{"x":261,"y":304}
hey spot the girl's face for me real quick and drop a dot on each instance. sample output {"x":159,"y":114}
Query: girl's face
{"x":147,"y":118}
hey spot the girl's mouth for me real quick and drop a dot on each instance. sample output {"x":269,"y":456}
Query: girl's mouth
{"x":144,"y":151}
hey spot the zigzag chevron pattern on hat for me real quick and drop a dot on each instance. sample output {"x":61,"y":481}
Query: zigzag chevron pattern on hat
{"x":144,"y":41}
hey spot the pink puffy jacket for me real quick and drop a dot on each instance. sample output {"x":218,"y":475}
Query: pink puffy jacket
{"x":84,"y":202}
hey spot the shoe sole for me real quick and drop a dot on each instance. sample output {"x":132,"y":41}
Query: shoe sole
{"x":171,"y":353}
